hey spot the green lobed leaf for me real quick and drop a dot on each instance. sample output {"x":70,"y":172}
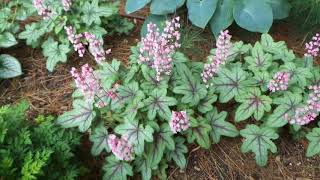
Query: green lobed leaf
{"x":222,"y":17}
{"x":82,"y":116}
{"x":150,"y":82}
{"x":9,"y":67}
{"x":314,"y":142}
{"x":159,"y":103}
{"x":299,"y":75}
{"x":201,"y":11}
{"x":7,"y":40}
{"x":253,"y":15}
{"x":259,"y":141}
{"x":258,"y":61}
{"x":270,"y":46}
{"x":116,"y":170}
{"x":219,"y":125}
{"x":135,"y":5}
{"x":92,"y":12}
{"x":136,"y":134}
{"x":199,"y":131}
{"x":32,"y":34}
{"x":178,"y":153}
{"x":252,"y":103}
{"x":99,"y":137}
{"x":205,"y":104}
{"x":143,"y":166}
{"x":262,"y":79}
{"x":163,"y":7}
{"x":109,"y":73}
{"x":128,"y":93}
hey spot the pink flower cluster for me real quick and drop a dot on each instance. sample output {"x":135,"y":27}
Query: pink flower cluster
{"x":279,"y":82}
{"x":86,"y":82}
{"x":312,"y":48}
{"x":309,"y":112}
{"x":120,"y":148}
{"x":111,"y":93}
{"x":80,"y":40}
{"x":66,"y":4}
{"x":221,"y":56}
{"x":157,"y":48}
{"x":42,"y":9}
{"x":179,"y":121}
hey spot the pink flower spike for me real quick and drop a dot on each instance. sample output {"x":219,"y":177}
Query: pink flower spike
{"x":312,"y":48}
{"x":66,"y":4}
{"x":279,"y":82}
{"x":179,"y":121}
{"x":120,"y":148}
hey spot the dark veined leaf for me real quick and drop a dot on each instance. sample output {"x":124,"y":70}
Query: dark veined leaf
{"x":205,"y":104}
{"x":231,"y":83}
{"x":253,"y":15}
{"x":239,"y":48}
{"x":259,"y":141}
{"x":9,"y":67}
{"x":222,"y":17}
{"x":81,"y":116}
{"x":162,"y":139}
{"x":131,"y":73}
{"x":258,"y":61}
{"x":270,"y":46}
{"x":132,"y":109}
{"x":178,"y":153}
{"x":116,"y":170}
{"x":286,"y":105}
{"x":199,"y":131}
{"x":99,"y":137}
{"x":92,"y":12}
{"x":252,"y":103}
{"x":161,"y":171}
{"x":314,"y":142}
{"x":201,"y":11}
{"x":128,"y":93}
{"x":163,"y":7}
{"x":7,"y":40}
{"x":280,"y":8}
{"x":262,"y":79}
{"x":158,"y":103}
{"x":135,"y":5}
{"x":109,"y":73}
{"x":220,"y":127}
{"x":159,"y":20}
{"x":151,"y":82}
{"x":32,"y":33}
{"x":136,"y":134}
{"x":143,"y":167}
{"x":299,"y":75}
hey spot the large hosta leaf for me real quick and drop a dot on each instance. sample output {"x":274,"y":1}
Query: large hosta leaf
{"x":136,"y":134}
{"x":178,"y":153}
{"x":201,"y":11}
{"x":7,"y":40}
{"x":231,"y":83}
{"x":9,"y":67}
{"x":199,"y":131}
{"x":280,"y":8}
{"x":135,"y":5}
{"x":222,"y":17}
{"x":286,"y":105}
{"x":158,"y":103}
{"x":220,"y":127}
{"x":163,"y":7}
{"x":259,"y":141}
{"x":162,"y":139}
{"x":253,"y":15}
{"x":81,"y":116}
{"x":314,"y":142}
{"x":252,"y":103}
{"x":109,"y":73}
{"x":116,"y":170}
{"x":258,"y":61}
{"x":99,"y":137}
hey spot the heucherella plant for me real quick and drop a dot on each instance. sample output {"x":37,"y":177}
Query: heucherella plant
{"x":69,"y":23}
{"x":142,"y":119}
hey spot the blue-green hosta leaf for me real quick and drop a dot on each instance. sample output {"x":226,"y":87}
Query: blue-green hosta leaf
{"x":259,"y":141}
{"x":178,"y":153}
{"x":199,"y":131}
{"x":150,"y":83}
{"x":280,"y":8}
{"x":143,"y":167}
{"x":253,"y":15}
{"x":54,"y":52}
{"x":159,"y":20}
{"x":99,"y":137}
{"x":299,"y":75}
{"x":206,"y":103}
{"x":162,"y":139}
{"x":135,"y":5}
{"x":252,"y":103}
{"x":270,"y":46}
{"x":201,"y":11}
{"x":81,"y":116}
{"x":163,"y":7}
{"x":9,"y":67}
{"x":286,"y":105}
{"x":136,"y":134}
{"x":222,"y":17}
{"x":220,"y":127}
{"x":258,"y":61}
{"x":109,"y":73}
{"x":314,"y":142}
{"x":116,"y":170}
{"x":7,"y":40}
{"x":158,"y":103}
{"x":231,"y":83}
{"x":92,"y":12}
{"x":32,"y":34}
{"x":262,"y":79}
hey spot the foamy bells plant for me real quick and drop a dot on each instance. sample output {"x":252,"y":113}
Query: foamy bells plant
{"x":65,"y":26}
{"x":141,"y":123}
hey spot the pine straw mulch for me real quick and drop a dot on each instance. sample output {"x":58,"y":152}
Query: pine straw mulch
{"x":50,"y":93}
